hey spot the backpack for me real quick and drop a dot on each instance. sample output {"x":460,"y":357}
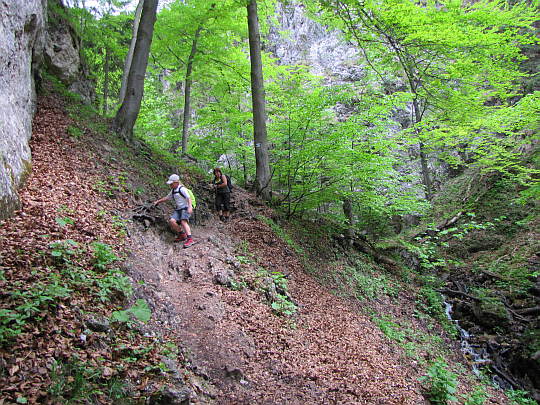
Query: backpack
{"x":190,"y":194}
{"x":229,"y":184}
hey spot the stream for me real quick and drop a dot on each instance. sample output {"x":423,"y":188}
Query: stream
{"x":480,"y":351}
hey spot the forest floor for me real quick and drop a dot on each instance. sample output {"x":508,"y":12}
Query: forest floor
{"x":211,"y":303}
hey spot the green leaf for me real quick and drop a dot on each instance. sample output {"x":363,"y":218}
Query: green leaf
{"x":61,"y":223}
{"x":121,"y":316}
{"x":141,"y":310}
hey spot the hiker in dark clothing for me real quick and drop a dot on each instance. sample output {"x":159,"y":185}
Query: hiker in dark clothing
{"x":223,"y":194}
{"x":183,"y":210}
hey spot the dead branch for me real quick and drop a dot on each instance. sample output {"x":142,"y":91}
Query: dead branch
{"x":528,"y":311}
{"x":144,"y":216}
{"x":442,"y":226}
{"x":366,"y":248}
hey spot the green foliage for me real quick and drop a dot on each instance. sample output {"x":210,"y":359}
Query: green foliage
{"x":429,"y":247}
{"x":474,"y":59}
{"x":521,"y":397}
{"x":442,"y":383}
{"x":279,"y":231}
{"x":432,"y":302}
{"x":367,"y":284}
{"x":478,"y":397}
{"x":27,"y":302}
{"x":63,"y":249}
{"x":216,"y":65}
{"x":390,"y":328}
{"x":283,"y":306}
{"x":103,"y":256}
{"x":74,"y":131}
{"x":140,"y":310}
{"x":74,"y":382}
{"x":64,"y":221}
{"x":114,"y":282}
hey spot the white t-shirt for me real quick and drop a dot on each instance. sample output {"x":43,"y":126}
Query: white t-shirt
{"x":181,"y":196}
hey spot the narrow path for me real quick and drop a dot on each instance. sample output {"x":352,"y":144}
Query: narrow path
{"x":328,"y":354}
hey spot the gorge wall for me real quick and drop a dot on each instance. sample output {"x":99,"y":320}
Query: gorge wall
{"x":30,"y":43}
{"x":22,"y":40}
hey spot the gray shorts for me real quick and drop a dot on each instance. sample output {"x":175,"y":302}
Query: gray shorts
{"x":179,"y":215}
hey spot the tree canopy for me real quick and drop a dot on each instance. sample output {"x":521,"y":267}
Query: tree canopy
{"x":453,"y":68}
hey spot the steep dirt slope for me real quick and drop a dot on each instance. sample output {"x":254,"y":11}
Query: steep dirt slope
{"x":327,"y":353}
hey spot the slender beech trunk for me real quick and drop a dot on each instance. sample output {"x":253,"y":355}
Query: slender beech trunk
{"x":187,"y":94}
{"x":262,"y":161}
{"x":82,"y":22}
{"x":106,"y":84}
{"x":129,"y":56}
{"x":349,"y":214}
{"x":125,"y":118}
{"x":423,"y":156}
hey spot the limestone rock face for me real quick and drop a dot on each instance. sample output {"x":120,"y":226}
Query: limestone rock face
{"x":298,"y":40}
{"x":27,"y":42}
{"x":22,"y":37}
{"x":62,"y":56}
{"x":62,"y":53}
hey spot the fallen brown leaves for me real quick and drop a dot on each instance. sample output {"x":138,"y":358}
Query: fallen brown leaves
{"x":42,"y":313}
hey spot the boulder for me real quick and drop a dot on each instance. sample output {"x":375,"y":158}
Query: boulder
{"x":491,"y":313}
{"x":62,"y":52}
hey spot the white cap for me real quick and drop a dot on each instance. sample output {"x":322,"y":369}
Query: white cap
{"x":173,"y":178}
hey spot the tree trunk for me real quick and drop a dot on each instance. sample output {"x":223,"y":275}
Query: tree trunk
{"x":106,"y":84}
{"x":125,"y":118}
{"x":349,"y":214}
{"x":425,"y":172}
{"x":129,"y":56}
{"x":423,"y":157}
{"x":262,"y":161}
{"x":187,"y":94}
{"x":82,"y":22}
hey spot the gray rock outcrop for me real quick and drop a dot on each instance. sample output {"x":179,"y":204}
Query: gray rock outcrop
{"x":22,"y":38}
{"x":62,"y":56}
{"x":299,"y":40}
{"x":27,"y":44}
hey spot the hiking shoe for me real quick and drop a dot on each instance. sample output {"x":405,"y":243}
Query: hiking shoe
{"x":226,"y":219}
{"x":221,"y":218}
{"x":180,"y":237}
{"x":188,"y":243}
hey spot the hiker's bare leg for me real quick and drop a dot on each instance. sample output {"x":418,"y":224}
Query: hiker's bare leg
{"x":186,"y":227}
{"x":175,"y":225}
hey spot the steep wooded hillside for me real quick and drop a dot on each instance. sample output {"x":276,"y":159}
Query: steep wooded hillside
{"x":258,"y":311}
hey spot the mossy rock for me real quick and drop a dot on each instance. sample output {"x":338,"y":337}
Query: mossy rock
{"x":483,"y":242}
{"x":491,"y":313}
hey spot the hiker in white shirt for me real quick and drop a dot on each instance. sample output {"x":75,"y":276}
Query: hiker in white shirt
{"x":182,"y":212}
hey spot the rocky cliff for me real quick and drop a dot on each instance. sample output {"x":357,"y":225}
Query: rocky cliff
{"x":22,"y":39}
{"x":28,"y":43}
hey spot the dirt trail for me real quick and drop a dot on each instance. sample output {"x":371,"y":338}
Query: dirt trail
{"x":243,"y":352}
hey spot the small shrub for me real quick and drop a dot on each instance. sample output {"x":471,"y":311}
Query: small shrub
{"x":103,"y":256}
{"x":442,"y":383}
